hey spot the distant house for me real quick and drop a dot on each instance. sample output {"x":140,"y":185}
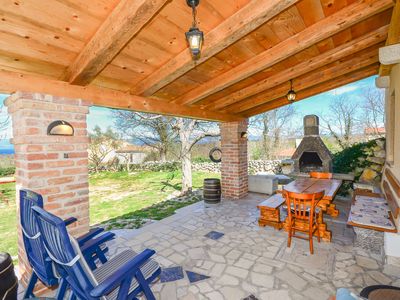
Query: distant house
{"x":132,"y":154}
{"x":375,"y":131}
{"x":284,"y":153}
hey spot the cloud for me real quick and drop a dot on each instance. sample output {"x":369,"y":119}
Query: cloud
{"x":344,"y":90}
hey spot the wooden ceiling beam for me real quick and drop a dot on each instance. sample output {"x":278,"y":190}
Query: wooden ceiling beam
{"x":315,"y":90}
{"x":254,"y":14}
{"x":307,"y":66}
{"x":393,"y":36}
{"x":11,"y":82}
{"x":124,"y":22}
{"x":327,"y":27}
{"x":341,"y":67}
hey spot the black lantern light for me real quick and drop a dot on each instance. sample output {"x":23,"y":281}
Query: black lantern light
{"x":291,"y":95}
{"x":60,"y":128}
{"x":194,"y":36}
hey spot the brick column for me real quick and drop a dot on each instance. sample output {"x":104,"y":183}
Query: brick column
{"x":234,"y":159}
{"x":54,"y":166}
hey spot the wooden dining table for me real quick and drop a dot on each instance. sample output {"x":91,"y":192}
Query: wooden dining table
{"x":314,"y":185}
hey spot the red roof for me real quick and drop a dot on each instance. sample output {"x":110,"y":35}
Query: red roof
{"x":373,"y":130}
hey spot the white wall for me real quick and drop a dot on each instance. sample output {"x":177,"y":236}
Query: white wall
{"x":392,"y":241}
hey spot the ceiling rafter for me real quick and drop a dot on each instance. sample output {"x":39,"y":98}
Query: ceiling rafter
{"x":253,"y":15}
{"x":124,"y":22}
{"x":302,"y":68}
{"x":327,"y":27}
{"x":343,"y":66}
{"x":11,"y":82}
{"x":315,"y":90}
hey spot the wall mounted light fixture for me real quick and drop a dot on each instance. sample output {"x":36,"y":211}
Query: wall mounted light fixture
{"x":243,"y":135}
{"x":60,"y":127}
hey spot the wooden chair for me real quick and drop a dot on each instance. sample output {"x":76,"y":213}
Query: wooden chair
{"x":302,"y":215}
{"x":321,"y":175}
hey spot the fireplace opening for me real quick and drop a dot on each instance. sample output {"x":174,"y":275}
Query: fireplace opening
{"x":310,"y":161}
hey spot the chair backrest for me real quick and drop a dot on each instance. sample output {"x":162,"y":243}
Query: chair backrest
{"x":321,"y":175}
{"x":33,"y":242}
{"x":68,"y":260}
{"x":302,"y":206}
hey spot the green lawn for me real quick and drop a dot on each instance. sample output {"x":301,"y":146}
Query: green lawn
{"x":113,"y":196}
{"x":8,"y":220}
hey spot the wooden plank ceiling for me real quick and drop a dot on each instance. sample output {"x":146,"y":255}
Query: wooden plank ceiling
{"x":132,"y":54}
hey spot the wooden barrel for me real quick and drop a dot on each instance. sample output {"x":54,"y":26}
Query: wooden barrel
{"x":8,"y":280}
{"x":212,"y":190}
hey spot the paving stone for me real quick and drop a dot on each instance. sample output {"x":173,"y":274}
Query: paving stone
{"x":292,"y":279}
{"x":168,"y":292}
{"x":233,"y":293}
{"x":249,"y":287}
{"x":380,"y":277}
{"x":204,"y":287}
{"x":354,"y":269}
{"x":391,"y":270}
{"x":315,"y":293}
{"x":189,"y":296}
{"x":343,"y":256}
{"x":367,"y":262}
{"x":234,"y":254}
{"x":262,"y":280}
{"x":238,"y":272}
{"x":340,"y":275}
{"x":215,"y":296}
{"x":244,"y":263}
{"x":216,"y":257}
{"x":368,"y":280}
{"x":275,"y":295}
{"x":197,"y":253}
{"x":261,"y":268}
{"x":217,"y":270}
{"x":228,"y":280}
{"x":176,"y":258}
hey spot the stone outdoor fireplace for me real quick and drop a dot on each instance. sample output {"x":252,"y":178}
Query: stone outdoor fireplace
{"x":312,"y":154}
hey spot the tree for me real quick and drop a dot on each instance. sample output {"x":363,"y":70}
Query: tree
{"x":102,"y":144}
{"x":152,"y":130}
{"x":341,"y":120}
{"x":373,"y":109}
{"x":190,"y":132}
{"x":4,"y":122}
{"x":162,"y":133}
{"x":273,"y":125}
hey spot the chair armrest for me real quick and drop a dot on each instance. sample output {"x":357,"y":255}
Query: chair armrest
{"x":69,"y":221}
{"x":90,"y":235}
{"x":94,"y":243}
{"x":127,"y":270}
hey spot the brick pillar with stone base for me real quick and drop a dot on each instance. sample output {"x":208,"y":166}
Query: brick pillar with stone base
{"x":234,"y":159}
{"x":54,"y":166}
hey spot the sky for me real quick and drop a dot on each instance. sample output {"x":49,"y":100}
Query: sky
{"x":318,"y":105}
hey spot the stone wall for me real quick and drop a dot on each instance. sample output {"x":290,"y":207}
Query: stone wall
{"x":254,"y":166}
{"x":54,"y":166}
{"x":376,"y":157}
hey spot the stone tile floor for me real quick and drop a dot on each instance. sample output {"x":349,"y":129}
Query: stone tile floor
{"x":250,"y":262}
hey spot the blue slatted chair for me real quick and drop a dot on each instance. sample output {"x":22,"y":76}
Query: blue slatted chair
{"x":122,"y":277}
{"x":92,"y":245}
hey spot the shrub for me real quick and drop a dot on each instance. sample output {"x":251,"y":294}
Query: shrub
{"x":352,"y":158}
{"x":7,"y":171}
{"x":201,"y":159}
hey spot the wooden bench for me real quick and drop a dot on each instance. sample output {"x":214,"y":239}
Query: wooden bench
{"x":270,"y":211}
